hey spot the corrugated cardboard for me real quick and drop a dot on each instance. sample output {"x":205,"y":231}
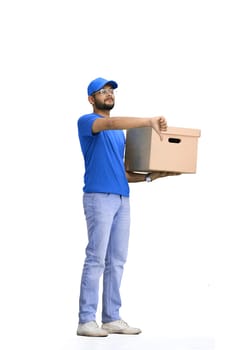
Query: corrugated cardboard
{"x":177,"y":152}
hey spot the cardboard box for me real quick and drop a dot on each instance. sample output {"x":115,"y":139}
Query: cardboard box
{"x":177,"y":152}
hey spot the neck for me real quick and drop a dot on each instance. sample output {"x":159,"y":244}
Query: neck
{"x":104,"y":113}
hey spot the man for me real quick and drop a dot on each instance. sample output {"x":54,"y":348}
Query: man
{"x":106,"y":207}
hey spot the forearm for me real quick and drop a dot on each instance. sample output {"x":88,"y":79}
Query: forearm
{"x":135,"y":177}
{"x":120,"y":123}
{"x":128,"y":122}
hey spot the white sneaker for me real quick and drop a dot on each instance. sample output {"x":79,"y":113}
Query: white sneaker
{"x":91,"y":329}
{"x":120,"y":327}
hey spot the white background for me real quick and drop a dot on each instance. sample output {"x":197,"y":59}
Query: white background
{"x":171,"y":58}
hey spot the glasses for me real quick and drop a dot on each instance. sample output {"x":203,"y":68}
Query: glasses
{"x":105,"y":91}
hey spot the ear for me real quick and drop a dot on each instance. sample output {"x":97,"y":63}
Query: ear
{"x":91,"y":99}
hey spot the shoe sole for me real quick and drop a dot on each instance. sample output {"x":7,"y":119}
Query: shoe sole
{"x":91,"y":335}
{"x":122,"y":332}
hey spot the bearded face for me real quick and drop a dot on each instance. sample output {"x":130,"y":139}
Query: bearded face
{"x":105,"y":105}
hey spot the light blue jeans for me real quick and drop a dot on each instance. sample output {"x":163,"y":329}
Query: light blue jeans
{"x":108,"y":226}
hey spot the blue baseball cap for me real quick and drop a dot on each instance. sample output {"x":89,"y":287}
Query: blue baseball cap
{"x":99,"y":83}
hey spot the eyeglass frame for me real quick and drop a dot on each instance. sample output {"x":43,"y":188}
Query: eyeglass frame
{"x":104,"y":91}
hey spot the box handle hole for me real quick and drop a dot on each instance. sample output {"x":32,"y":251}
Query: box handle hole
{"x":174,"y":140}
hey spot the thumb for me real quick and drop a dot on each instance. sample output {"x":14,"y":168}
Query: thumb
{"x":158,"y":131}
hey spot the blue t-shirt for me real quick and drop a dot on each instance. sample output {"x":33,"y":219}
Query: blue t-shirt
{"x":103,"y":154}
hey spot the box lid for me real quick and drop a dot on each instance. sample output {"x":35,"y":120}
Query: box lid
{"x":171,"y":130}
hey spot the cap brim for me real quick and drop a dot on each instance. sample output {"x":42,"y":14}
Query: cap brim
{"x":112,"y":83}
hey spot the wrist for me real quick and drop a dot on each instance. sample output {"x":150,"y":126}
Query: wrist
{"x":148,"y":178}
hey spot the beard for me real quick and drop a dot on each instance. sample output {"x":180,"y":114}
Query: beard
{"x":104,"y":106}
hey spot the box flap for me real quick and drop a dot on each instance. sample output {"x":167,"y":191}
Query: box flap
{"x":182,"y":131}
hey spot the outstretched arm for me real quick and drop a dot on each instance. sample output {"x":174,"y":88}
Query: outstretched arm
{"x":159,"y":124}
